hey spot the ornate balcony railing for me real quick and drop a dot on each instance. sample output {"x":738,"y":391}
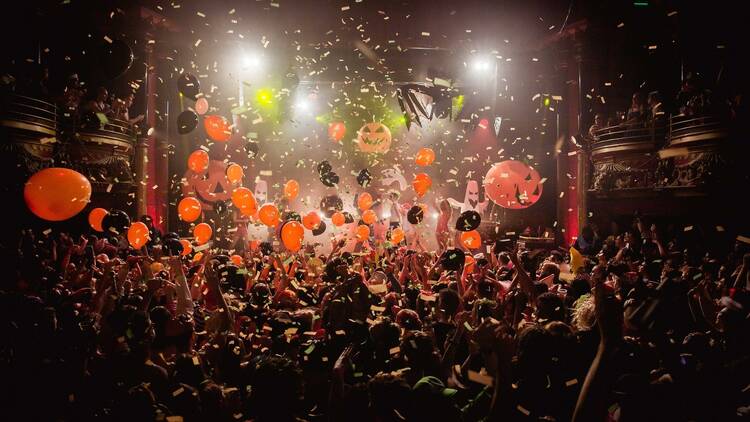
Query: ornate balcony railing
{"x":35,"y":136}
{"x":693,"y":131}
{"x":624,"y":156}
{"x":26,"y":114}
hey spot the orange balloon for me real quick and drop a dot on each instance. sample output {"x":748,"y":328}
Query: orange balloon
{"x":57,"y":194}
{"x":235,"y":173}
{"x":137,"y":235}
{"x":197,"y":257}
{"x":363,"y":232}
{"x":369,"y":217}
{"x":471,"y":240}
{"x":189,"y":209}
{"x":244,"y":200}
{"x":364,"y":201}
{"x":469,"y":263}
{"x":291,"y":235}
{"x":198,"y":161}
{"x":269,"y":215}
{"x":202,"y":233}
{"x":236,"y":260}
{"x":397,"y":235}
{"x":311,"y":220}
{"x":336,"y":131}
{"x":217,"y":128}
{"x":425,"y":157}
{"x":291,"y":189}
{"x":338,"y":219}
{"x":95,"y":218}
{"x":186,"y":247}
{"x":421,"y":184}
{"x":156,"y":267}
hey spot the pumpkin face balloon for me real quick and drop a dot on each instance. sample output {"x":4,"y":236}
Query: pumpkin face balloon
{"x":209,"y":188}
{"x":512,"y":184}
{"x":374,"y":137}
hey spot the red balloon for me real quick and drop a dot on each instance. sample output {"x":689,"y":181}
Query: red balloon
{"x":57,"y":194}
{"x":364,"y":201}
{"x":471,"y":240}
{"x":269,"y":215}
{"x":291,"y":189}
{"x":189,"y":209}
{"x":138,"y":235}
{"x":421,"y":183}
{"x":397,"y":236}
{"x":198,"y":161}
{"x":186,"y":247}
{"x":292,"y":235}
{"x":338,"y":219}
{"x":512,"y":184}
{"x":369,"y":217}
{"x":235,"y":173}
{"x":311,"y":220}
{"x":336,"y":131}
{"x":244,"y":200}
{"x":363,"y":232}
{"x":217,"y":128}
{"x":425,"y":157}
{"x":202,"y":233}
{"x":95,"y":218}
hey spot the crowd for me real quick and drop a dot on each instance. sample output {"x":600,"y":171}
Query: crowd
{"x":650,"y":111}
{"x":643,"y":325}
{"x":74,"y":100}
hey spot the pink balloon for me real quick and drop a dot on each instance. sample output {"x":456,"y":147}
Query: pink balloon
{"x":201,"y":106}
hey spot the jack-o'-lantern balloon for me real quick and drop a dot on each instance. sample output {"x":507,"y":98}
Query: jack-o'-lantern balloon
{"x":209,"y":188}
{"x":512,"y":184}
{"x":374,"y":138}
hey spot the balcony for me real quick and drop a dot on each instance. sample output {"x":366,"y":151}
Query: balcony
{"x":28,"y":129}
{"x":34,"y":138}
{"x":624,"y":157}
{"x":104,"y":153}
{"x":694,"y":156}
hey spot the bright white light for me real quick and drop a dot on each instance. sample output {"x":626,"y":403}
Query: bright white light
{"x":302,"y":105}
{"x":481,"y":64}
{"x":386,"y":215}
{"x":252,"y":61}
{"x":435,"y":215}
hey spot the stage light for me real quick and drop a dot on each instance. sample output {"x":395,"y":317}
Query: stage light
{"x":481,"y":64}
{"x":264,"y":97}
{"x":303,"y":105}
{"x":251,"y":61}
{"x":435,"y":215}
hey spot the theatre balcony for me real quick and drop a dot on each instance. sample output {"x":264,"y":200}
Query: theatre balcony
{"x":104,"y":152}
{"x":35,"y":135}
{"x":28,"y":127}
{"x":624,"y":157}
{"x":697,"y":151}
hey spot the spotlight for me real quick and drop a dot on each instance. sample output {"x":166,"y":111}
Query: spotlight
{"x":481,"y":64}
{"x":302,"y":105}
{"x":264,"y":97}
{"x":251,"y":61}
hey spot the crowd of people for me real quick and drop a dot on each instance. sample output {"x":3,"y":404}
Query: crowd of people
{"x":643,"y":325}
{"x":650,"y":111}
{"x":74,"y":99}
